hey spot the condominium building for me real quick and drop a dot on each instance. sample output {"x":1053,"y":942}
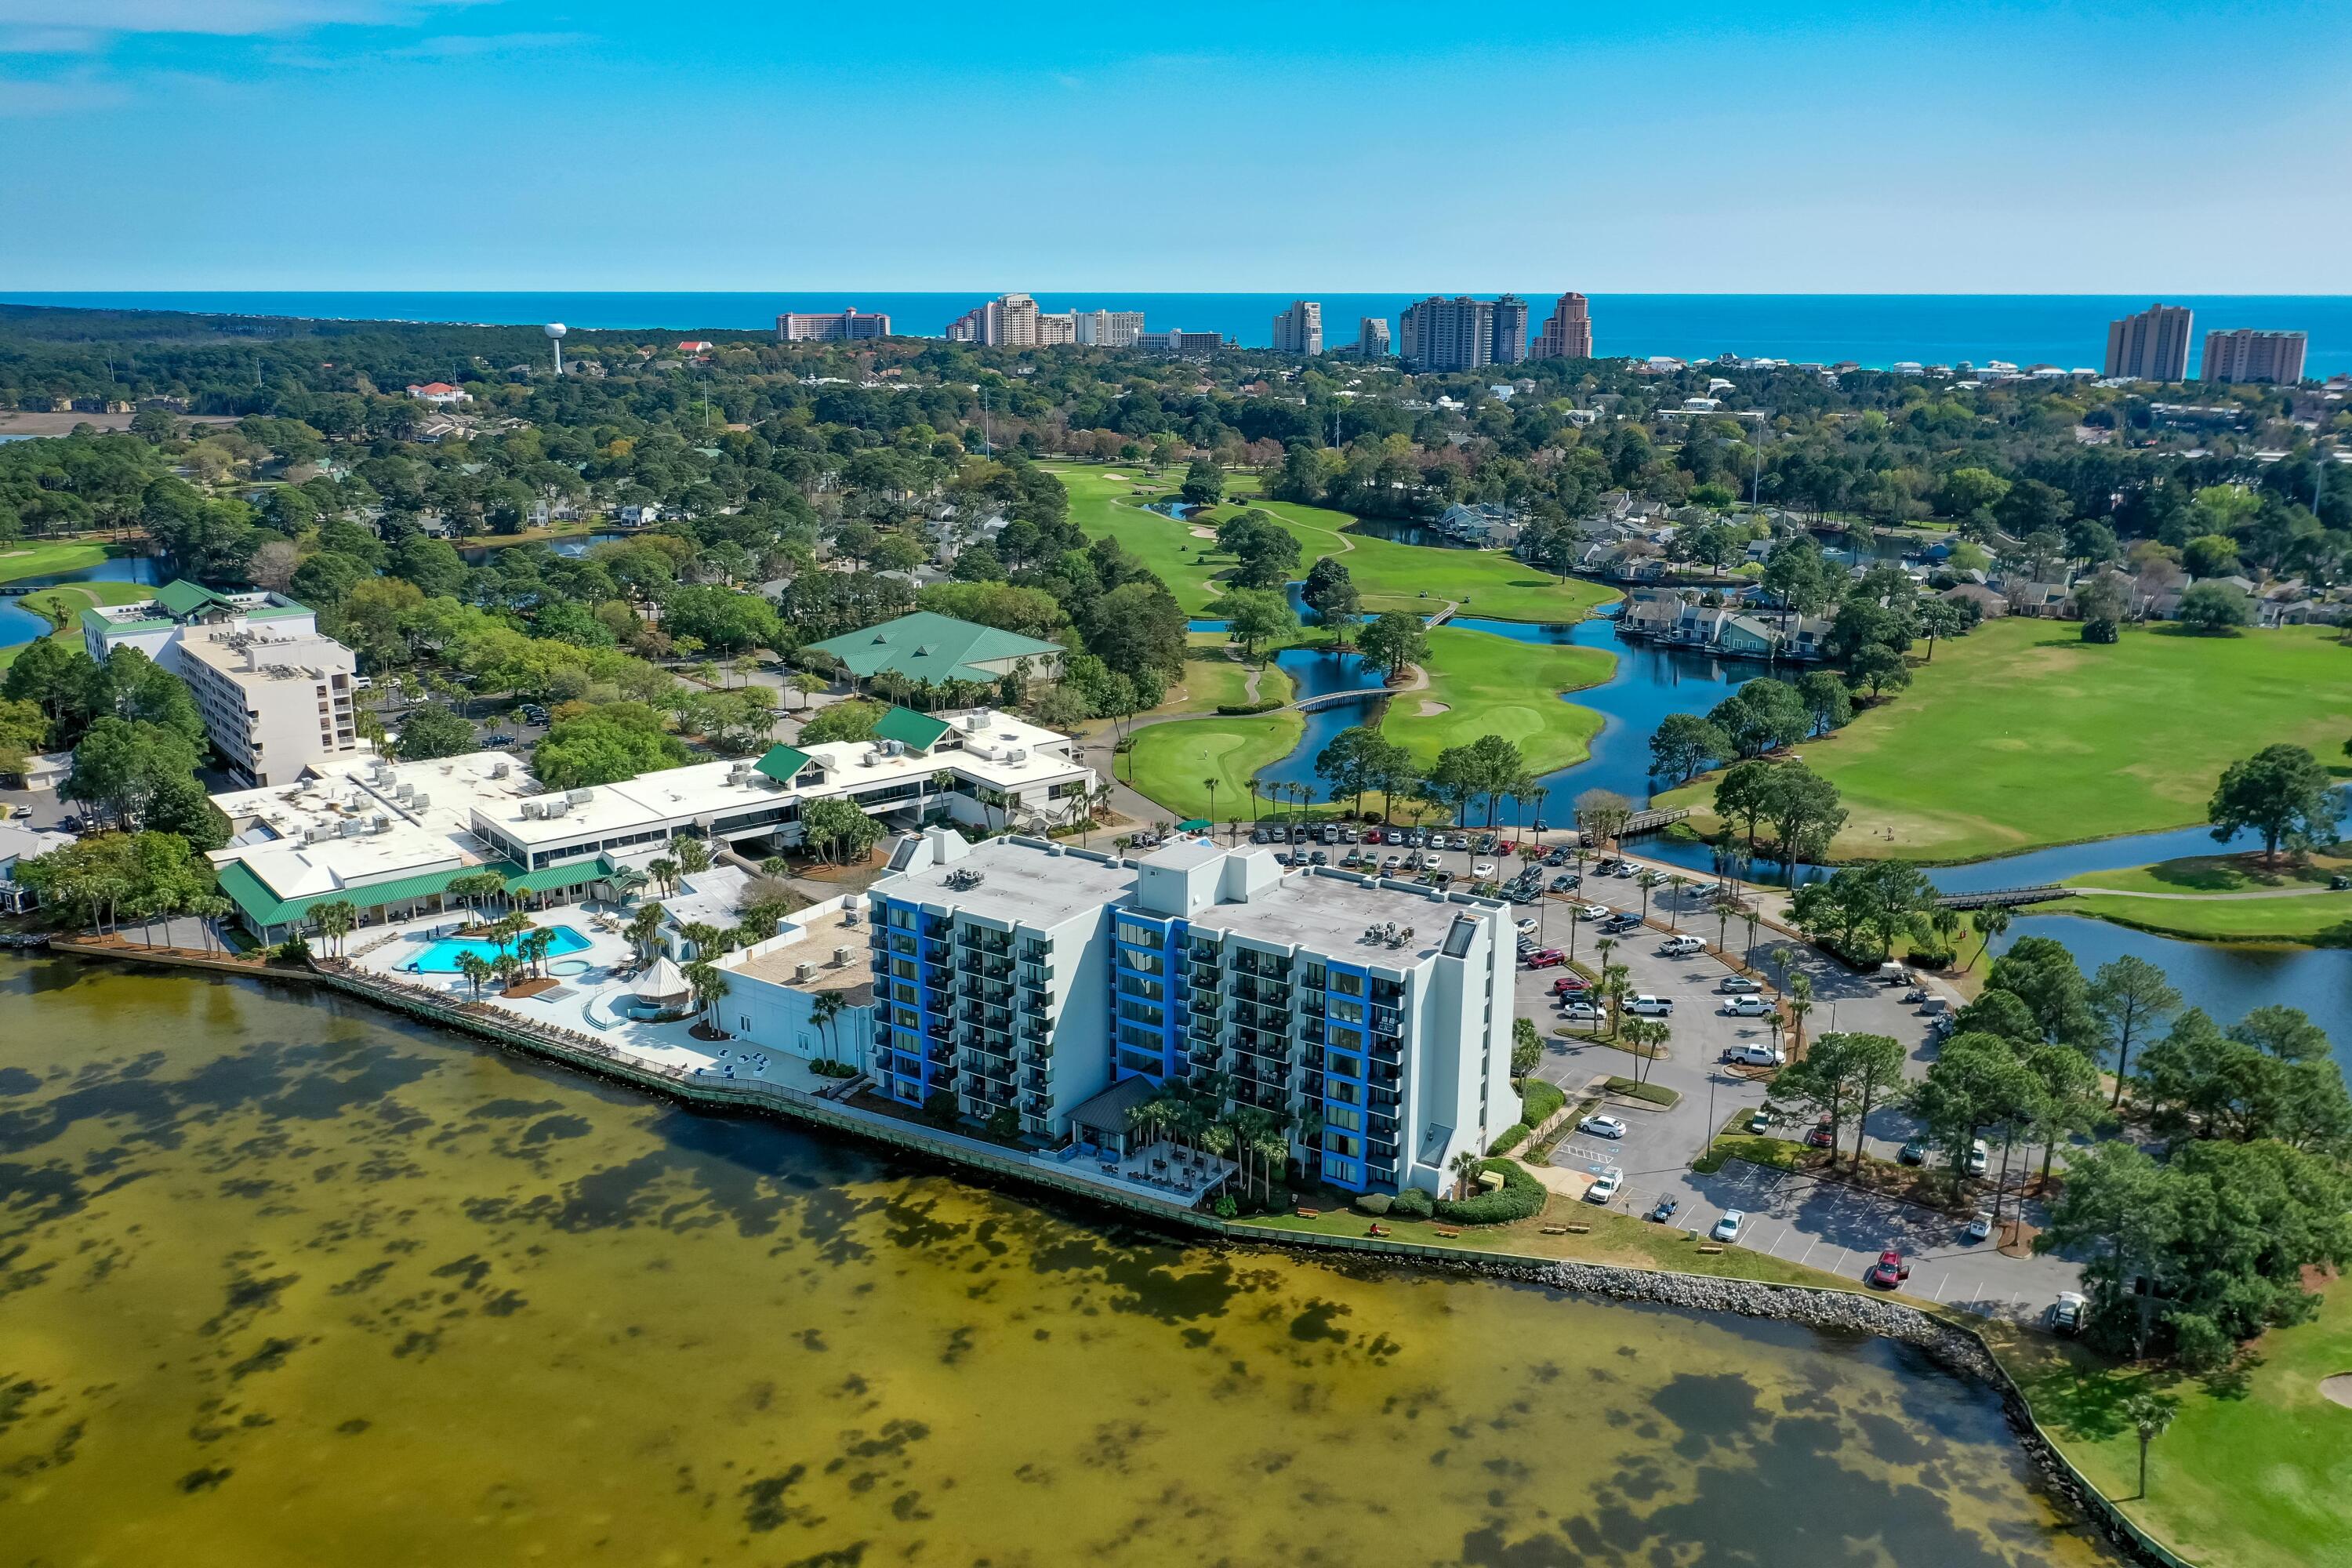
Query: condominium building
{"x":1567,"y":332}
{"x":1009,"y":320}
{"x":1372,"y":337}
{"x":1056,"y":327}
{"x":2150,"y":346}
{"x":1299,"y":329}
{"x":1110,"y":329}
{"x":2245,"y":354}
{"x":1463,"y":334}
{"x":1371,"y":1019}
{"x":1177,"y":341}
{"x":845,"y":326}
{"x":276,"y":696}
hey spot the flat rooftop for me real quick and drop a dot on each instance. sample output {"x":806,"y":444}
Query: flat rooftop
{"x":816,"y":946}
{"x":1330,"y":914}
{"x":308,"y":659}
{"x":1021,"y":883}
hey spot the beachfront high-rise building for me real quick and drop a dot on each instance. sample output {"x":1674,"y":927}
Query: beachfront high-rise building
{"x":2243,"y":353}
{"x":1463,"y":334}
{"x":1177,"y":341}
{"x":276,"y":696}
{"x":1568,"y":331}
{"x":1056,"y":327}
{"x":1370,"y":1018}
{"x":1373,"y":338}
{"x":1009,"y":320}
{"x":825,"y":326}
{"x":1300,"y":329}
{"x":1110,"y":329}
{"x":1510,"y":339}
{"x":2150,"y":346}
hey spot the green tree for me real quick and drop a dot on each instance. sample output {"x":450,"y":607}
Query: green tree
{"x":2214,"y":609}
{"x":2282,"y":792}
{"x":1395,"y":639}
{"x":1683,"y":743}
{"x":1827,"y":700}
{"x":121,"y":765}
{"x":1257,"y":617}
{"x":853,"y":720}
{"x":1803,"y":809}
{"x":434,"y":732}
{"x":2130,"y":997}
{"x":838,"y":830}
{"x":1204,"y":483}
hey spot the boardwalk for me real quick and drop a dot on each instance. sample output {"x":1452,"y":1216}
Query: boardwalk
{"x":2003,"y":897}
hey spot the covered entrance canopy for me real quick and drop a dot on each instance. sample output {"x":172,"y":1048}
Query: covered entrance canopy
{"x":1107,"y":1114}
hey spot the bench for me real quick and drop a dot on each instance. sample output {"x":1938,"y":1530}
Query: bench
{"x":1307,"y":1214}
{"x":1448,"y":1235}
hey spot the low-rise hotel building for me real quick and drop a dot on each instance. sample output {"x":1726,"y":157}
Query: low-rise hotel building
{"x":276,"y":696}
{"x":1371,"y":1019}
{"x":392,"y":837}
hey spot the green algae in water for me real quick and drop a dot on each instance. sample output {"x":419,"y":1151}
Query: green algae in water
{"x":285,"y":1282}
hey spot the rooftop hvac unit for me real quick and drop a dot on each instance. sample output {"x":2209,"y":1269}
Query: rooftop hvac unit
{"x":802,"y":973}
{"x":849,"y":914}
{"x":498,"y":770}
{"x":532,"y":810}
{"x":421,"y":800}
{"x":559,"y":807}
{"x":869,"y":758}
{"x":579,"y":796}
{"x":379,"y":823}
{"x":892,"y":748}
{"x":401,"y":791}
{"x":840,"y":955}
{"x":351,"y":828}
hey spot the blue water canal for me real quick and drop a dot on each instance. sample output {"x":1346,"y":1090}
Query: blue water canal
{"x":19,"y":625}
{"x":1650,"y":683}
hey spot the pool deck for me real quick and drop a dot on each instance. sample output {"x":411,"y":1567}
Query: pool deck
{"x":584,"y":1002}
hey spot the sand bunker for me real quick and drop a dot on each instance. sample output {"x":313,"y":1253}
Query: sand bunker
{"x":2337,"y":1388}
{"x":1202,"y":532}
{"x":1431,"y":710}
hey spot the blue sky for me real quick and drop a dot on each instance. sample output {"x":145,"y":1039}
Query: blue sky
{"x":1824,"y":147}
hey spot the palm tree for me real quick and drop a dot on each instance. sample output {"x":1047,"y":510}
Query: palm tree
{"x":1466,"y":1166}
{"x":1724,"y":909}
{"x":1990,"y":922}
{"x":1253,"y":789}
{"x":1650,"y":1035}
{"x":663,"y":871}
{"x":702,"y":935}
{"x":533,"y":948}
{"x":1616,"y":981}
{"x":692,"y":855}
{"x":641,"y":930}
{"x":336,"y":920}
{"x":1800,"y":1002}
{"x":1645,"y":881}
{"x":476,"y":969}
{"x":1217,"y":1138}
{"x":507,"y":966}
{"x":1273,"y":1149}
{"x":1675,"y":886}
{"x":1210,"y":785}
{"x":207,"y":908}
{"x":822,"y":1012}
{"x":708,"y":983}
{"x":1945,"y":921}
{"x":1753,"y":917}
{"x":2148,"y":1415}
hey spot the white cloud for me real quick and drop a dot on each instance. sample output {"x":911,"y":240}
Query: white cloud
{"x":454,"y":45}
{"x":23,"y":99}
{"x":219,"y":18}
{"x":47,"y":41}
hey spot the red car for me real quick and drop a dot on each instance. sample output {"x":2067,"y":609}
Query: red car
{"x":1889,"y":1271}
{"x":1504,"y":848}
{"x":1371,"y":835}
{"x":1568,"y":985}
{"x":1545,"y":958}
{"x":1822,"y":1138}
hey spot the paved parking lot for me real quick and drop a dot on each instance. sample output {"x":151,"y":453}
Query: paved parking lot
{"x":1794,"y":1216}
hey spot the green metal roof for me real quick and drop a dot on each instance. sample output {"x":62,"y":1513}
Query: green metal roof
{"x":927,"y":646}
{"x":783,"y":764}
{"x":265,"y":907}
{"x":908,"y":728}
{"x":185,"y":598}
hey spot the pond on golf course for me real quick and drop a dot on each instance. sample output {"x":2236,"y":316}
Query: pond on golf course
{"x":290,"y":1282}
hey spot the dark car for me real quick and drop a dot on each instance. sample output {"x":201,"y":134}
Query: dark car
{"x":1664,"y":1209}
{"x":1822,"y":1138}
{"x":1889,"y":1271}
{"x":500,"y":739}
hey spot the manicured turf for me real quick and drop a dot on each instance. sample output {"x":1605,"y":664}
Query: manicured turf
{"x":71,"y":637}
{"x":1213,"y":678}
{"x":2255,"y":1470}
{"x":1389,"y":576}
{"x":2218,"y":874}
{"x":1493,"y":686}
{"x":46,"y":560}
{"x":2022,"y":735}
{"x":1171,"y":760}
{"x":2309,"y":919}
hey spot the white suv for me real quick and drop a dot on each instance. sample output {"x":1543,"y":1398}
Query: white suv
{"x":1681,"y":946}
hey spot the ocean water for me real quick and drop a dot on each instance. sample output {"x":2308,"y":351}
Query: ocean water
{"x":2068,"y":330}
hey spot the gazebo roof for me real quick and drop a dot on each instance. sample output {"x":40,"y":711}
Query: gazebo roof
{"x":663,"y":983}
{"x":1107,"y":1111}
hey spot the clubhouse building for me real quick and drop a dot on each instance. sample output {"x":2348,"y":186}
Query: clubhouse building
{"x":390,"y":837}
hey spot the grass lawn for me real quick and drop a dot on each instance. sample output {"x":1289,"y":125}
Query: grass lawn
{"x":1613,"y":1238}
{"x":1389,"y":576}
{"x":2256,"y":1469}
{"x":71,"y":637}
{"x":1169,"y":761}
{"x":2022,"y":735}
{"x":1493,"y":686}
{"x":1213,"y":679}
{"x":2312,"y":920}
{"x":47,"y":559}
{"x":2219,"y":874}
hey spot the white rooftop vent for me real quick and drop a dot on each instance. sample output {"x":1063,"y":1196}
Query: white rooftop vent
{"x":801,"y":972}
{"x":498,"y":769}
{"x":579,"y":796}
{"x":351,"y":827}
{"x":849,"y":914}
{"x":422,"y":800}
{"x":381,"y":823}
{"x":841,"y":956}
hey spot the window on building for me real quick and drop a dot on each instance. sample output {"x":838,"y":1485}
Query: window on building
{"x":1347,"y":985}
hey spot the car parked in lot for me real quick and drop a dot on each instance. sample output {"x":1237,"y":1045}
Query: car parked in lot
{"x":1979,"y":1228}
{"x":1980,"y":1157}
{"x":1666,"y":1207}
{"x":1622,"y":921}
{"x":1683,"y":946}
{"x":1545,"y":958}
{"x":1761,"y":1122}
{"x":1602,"y":1126}
{"x":1591,"y":912}
{"x":1739,"y":986}
{"x":1824,"y":1136}
{"x":1643,"y":1004}
{"x":1746,"y":1008}
{"x":500,"y":739}
{"x":1259,"y":836}
{"x":1580,"y":1012}
{"x":2067,"y":1313}
{"x":1483,"y":870}
{"x":1457,"y":841}
{"x":1889,"y":1271}
{"x":1755,"y":1055}
{"x":1604,"y":1185}
{"x":1914,"y":1152}
{"x":1566,"y":881}
{"x":1728,"y":1227}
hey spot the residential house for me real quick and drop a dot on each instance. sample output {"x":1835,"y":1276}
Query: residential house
{"x":19,"y":843}
{"x":1989,"y":605}
{"x":439,"y":393}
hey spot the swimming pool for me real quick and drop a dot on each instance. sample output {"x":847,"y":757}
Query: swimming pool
{"x":441,"y":957}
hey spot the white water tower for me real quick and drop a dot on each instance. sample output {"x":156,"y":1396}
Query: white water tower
{"x":555,"y":331}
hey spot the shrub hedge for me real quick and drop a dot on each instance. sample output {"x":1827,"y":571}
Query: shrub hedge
{"x":1538,"y":1100}
{"x":1522,"y":1197}
{"x":1411,"y":1203}
{"x":1511,"y":1138}
{"x":1373,"y":1202}
{"x":1243,"y":710}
